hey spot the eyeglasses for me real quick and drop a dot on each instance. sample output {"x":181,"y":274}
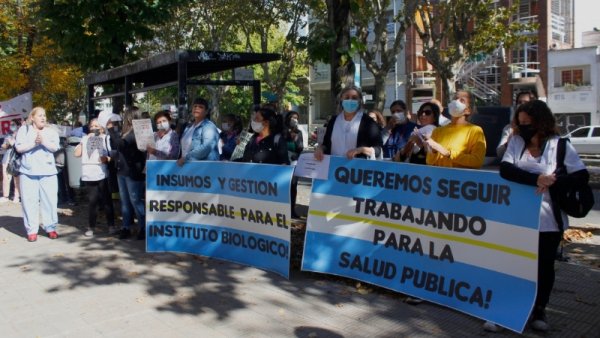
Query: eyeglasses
{"x":425,"y":112}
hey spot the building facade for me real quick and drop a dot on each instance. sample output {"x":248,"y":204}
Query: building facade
{"x":320,"y":107}
{"x":574,"y":87}
{"x":495,"y":78}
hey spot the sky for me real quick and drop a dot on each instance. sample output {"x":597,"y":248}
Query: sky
{"x":586,"y":17}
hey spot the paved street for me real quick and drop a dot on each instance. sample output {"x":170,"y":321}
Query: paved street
{"x":103,"y":287}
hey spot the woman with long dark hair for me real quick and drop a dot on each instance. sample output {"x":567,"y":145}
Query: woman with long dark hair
{"x":531,"y":158}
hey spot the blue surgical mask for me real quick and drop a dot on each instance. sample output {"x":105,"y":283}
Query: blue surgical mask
{"x":350,"y":106}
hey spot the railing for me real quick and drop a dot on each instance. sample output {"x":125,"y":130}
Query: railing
{"x":422,"y":78}
{"x":524,"y":69}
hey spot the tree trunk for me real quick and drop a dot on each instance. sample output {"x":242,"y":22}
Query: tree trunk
{"x":379,"y":92}
{"x":448,"y":88}
{"x":341,"y":70}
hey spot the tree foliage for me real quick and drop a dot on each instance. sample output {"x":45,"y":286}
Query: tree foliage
{"x":97,"y":35}
{"x":31,"y":62}
{"x":375,"y":46}
{"x":454,"y":31}
{"x":279,"y":33}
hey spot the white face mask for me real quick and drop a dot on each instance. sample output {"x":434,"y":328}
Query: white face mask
{"x":456,"y":108}
{"x":164,"y":125}
{"x":399,"y":117}
{"x":257,"y":127}
{"x":225,"y":126}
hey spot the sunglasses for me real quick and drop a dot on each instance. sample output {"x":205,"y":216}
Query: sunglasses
{"x":425,"y":112}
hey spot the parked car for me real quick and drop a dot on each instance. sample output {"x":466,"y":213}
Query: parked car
{"x":586,"y":140}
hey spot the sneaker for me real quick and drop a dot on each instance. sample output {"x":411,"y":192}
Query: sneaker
{"x":16,"y":200}
{"x":491,"y":327}
{"x":53,"y":235}
{"x":89,"y":233}
{"x":124,"y":233}
{"x":4,"y":199}
{"x":413,"y":301}
{"x":539,"y":322}
{"x":113,"y":230}
{"x":32,"y":237}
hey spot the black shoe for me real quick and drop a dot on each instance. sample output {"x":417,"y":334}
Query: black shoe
{"x":124,"y":234}
{"x":142,"y":234}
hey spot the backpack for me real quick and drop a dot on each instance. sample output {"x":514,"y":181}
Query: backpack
{"x":575,"y":198}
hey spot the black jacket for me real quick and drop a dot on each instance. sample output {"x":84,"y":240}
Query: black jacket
{"x":369,"y":135}
{"x":268,"y":150}
{"x":129,"y":160}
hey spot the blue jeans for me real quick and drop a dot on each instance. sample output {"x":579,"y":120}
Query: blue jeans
{"x":131,"y":193}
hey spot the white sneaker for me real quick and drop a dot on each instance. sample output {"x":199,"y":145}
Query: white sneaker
{"x":413,"y":301}
{"x":4,"y":199}
{"x":89,"y":233}
{"x":540,"y":323}
{"x":491,"y":327}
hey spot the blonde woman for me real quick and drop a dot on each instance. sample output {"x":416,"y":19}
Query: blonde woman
{"x":37,"y":142}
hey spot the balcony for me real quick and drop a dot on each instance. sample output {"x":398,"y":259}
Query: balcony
{"x":524,"y":71}
{"x":422,"y":79}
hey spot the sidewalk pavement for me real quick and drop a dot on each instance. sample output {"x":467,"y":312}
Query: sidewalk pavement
{"x":103,"y":287}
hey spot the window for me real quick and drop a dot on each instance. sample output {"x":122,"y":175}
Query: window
{"x":572,"y":76}
{"x":596,"y":132}
{"x":583,"y":132}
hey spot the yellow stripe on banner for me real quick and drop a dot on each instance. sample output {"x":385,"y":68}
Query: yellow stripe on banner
{"x":492,"y":246}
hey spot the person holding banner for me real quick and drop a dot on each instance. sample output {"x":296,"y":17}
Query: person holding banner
{"x":459,"y":144}
{"x":351,"y":133}
{"x":531,"y":159}
{"x":414,"y":151}
{"x":8,"y":144}
{"x":200,"y":140}
{"x":94,"y":150}
{"x":265,"y":146}
{"x":165,"y":139}
{"x":130,"y":175}
{"x":37,"y":143}
{"x":401,"y":130}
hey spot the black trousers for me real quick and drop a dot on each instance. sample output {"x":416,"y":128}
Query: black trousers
{"x":549,"y":242}
{"x":98,"y":192}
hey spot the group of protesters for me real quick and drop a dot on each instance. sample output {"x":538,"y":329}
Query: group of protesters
{"x":528,"y":152}
{"x":111,"y":160}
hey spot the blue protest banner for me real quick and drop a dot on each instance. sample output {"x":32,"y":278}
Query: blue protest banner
{"x":238,"y":212}
{"x":466,"y":239}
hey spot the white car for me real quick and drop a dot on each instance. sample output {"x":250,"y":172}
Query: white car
{"x":586,"y":140}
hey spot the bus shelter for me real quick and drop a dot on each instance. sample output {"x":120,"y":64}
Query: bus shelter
{"x":179,"y":68}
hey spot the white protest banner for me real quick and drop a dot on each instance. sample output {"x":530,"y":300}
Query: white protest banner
{"x":238,"y":212}
{"x":308,"y":167}
{"x":17,"y":107}
{"x":466,"y":239}
{"x":144,"y":135}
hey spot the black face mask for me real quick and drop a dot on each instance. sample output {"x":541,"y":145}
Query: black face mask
{"x":527,"y":132}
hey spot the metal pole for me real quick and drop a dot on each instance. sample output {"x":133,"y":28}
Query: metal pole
{"x":91,"y":105}
{"x":182,"y":88}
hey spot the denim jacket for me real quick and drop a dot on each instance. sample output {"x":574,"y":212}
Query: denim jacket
{"x":205,"y":142}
